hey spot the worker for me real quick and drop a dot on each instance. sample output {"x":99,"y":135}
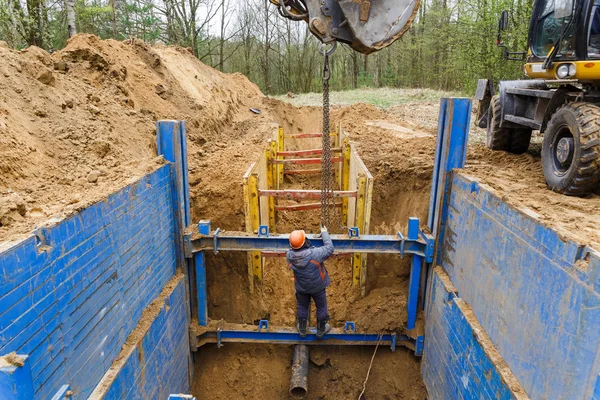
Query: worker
{"x":310,"y":278}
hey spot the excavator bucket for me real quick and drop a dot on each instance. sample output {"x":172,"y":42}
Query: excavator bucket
{"x":367,"y":26}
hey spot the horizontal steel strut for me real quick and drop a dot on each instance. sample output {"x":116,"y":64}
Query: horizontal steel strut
{"x":374,"y":244}
{"x":305,"y":194}
{"x":347,"y":336}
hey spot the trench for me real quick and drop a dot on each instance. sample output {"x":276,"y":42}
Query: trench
{"x":401,"y":190}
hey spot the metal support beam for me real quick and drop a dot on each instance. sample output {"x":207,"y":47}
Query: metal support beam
{"x":308,"y":135}
{"x":450,"y":153}
{"x":304,"y":194}
{"x":310,"y":152}
{"x":305,"y":161}
{"x":287,"y":336}
{"x":415,"y":276}
{"x":201,"y":287}
{"x":302,"y":171}
{"x":375,"y":244}
{"x":302,"y":207}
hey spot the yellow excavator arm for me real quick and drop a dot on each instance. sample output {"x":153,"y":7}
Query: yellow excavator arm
{"x":367,"y":26}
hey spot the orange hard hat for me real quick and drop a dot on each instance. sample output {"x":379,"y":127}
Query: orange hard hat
{"x":297,"y":239}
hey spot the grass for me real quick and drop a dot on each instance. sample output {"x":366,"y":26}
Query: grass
{"x":382,"y":97}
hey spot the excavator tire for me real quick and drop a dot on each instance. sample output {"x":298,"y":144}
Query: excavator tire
{"x":571,"y":149}
{"x":519,"y":140}
{"x":512,"y":140}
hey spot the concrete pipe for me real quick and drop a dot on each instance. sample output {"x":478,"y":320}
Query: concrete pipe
{"x":299,"y":380}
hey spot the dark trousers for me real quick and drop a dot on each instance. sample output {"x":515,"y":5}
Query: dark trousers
{"x":303,"y":303}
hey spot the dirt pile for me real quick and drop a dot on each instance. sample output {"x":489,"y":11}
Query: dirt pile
{"x":80,"y":123}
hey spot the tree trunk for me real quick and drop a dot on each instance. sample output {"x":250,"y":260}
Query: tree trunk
{"x":222,"y":41}
{"x":71,"y":28}
{"x":354,"y":69}
{"x":15,"y":42}
{"x":115,"y":9}
{"x":267,"y":44}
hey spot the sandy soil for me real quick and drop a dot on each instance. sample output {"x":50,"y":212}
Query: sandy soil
{"x":335,"y":373}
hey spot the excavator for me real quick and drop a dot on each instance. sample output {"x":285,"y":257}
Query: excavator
{"x":561,"y":99}
{"x":364,"y":25}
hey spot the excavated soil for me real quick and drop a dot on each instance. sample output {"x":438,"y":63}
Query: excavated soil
{"x":79,"y":124}
{"x":263,"y":372}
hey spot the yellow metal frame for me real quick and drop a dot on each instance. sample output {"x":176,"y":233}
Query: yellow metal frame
{"x":251,"y":203}
{"x":359,"y":260}
{"x":270,"y":155}
{"x":346,"y":154}
{"x":280,"y":147}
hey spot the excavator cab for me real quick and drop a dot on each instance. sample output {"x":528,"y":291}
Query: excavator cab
{"x":367,"y":26}
{"x":560,"y":100}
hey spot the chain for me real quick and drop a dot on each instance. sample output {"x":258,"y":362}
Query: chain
{"x":326,"y":165}
{"x":327,"y":175}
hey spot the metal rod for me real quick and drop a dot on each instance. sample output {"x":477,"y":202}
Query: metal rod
{"x":304,"y":194}
{"x":301,"y":171}
{"x":300,"y":153}
{"x":299,"y":379}
{"x":302,"y":207}
{"x":307,"y":135}
{"x":305,"y":161}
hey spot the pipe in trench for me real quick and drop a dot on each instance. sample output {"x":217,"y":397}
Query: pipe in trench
{"x":299,"y":379}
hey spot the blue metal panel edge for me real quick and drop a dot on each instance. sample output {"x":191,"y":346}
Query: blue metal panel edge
{"x":459,"y":360}
{"x":535,"y":292}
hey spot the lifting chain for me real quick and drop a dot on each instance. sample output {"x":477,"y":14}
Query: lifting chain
{"x":327,"y":175}
{"x":326,"y":165}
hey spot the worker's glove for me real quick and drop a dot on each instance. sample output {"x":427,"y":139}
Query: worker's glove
{"x":323,"y":229}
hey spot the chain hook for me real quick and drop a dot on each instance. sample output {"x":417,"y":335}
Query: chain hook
{"x":330,"y":51}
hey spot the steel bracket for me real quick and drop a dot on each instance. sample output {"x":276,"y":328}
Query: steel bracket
{"x":419,"y":343}
{"x":394,"y":338}
{"x":350,"y":327}
{"x":219,"y":344}
{"x":429,"y":246}
{"x":353,"y":232}
{"x":204,"y":227}
{"x":215,"y":241}
{"x":402,"y":240}
{"x":187,"y":246}
{"x":263,"y":231}
{"x":263,"y":324}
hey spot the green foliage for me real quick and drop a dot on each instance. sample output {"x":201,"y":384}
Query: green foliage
{"x":449,"y":47}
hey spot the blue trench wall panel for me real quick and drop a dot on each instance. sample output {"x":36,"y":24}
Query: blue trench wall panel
{"x":70,"y":296}
{"x":459,"y":361}
{"x":536,"y":294}
{"x":157,"y":363}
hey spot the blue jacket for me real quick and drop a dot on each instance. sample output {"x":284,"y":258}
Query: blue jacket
{"x":310,"y":274}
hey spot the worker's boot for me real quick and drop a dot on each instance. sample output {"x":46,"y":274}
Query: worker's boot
{"x":302,"y":324}
{"x":322,"y":328}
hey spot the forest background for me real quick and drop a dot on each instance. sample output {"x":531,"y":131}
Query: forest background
{"x":451,"y":44}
